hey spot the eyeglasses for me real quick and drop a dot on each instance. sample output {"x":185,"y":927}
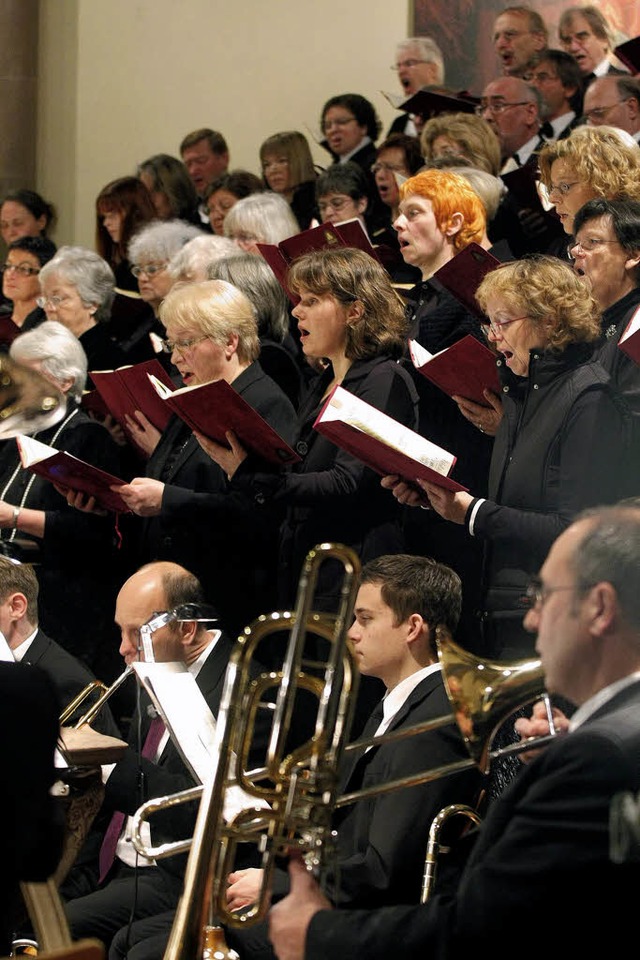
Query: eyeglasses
{"x":149,"y":269}
{"x":335,"y":203}
{"x":170,"y":346}
{"x":245,"y":237}
{"x":497,"y":326}
{"x":280,"y":162}
{"x":498,"y":106}
{"x":341,"y":122}
{"x":407,"y":63}
{"x":540,"y":77}
{"x":587,"y":245}
{"x":22,"y":268}
{"x":537,"y":594}
{"x":391,"y":167}
{"x":562,"y":188}
{"x":54,"y":302}
{"x":599,"y":113}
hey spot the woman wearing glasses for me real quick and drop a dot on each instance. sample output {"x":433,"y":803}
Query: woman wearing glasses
{"x":591,"y":162}
{"x":183,"y":509}
{"x":288,"y":169}
{"x":21,"y":286}
{"x":260,"y":218}
{"x":350,"y":127}
{"x":564,"y":443}
{"x":77,"y":290}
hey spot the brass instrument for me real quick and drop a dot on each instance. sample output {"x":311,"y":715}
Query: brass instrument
{"x":299,"y":786}
{"x":483,"y":694}
{"x":434,"y":846}
{"x":28,"y":401}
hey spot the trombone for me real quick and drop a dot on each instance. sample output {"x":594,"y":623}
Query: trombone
{"x":482,"y":695}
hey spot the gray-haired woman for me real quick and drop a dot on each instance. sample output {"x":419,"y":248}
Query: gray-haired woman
{"x":76,"y":561}
{"x":78,"y":288}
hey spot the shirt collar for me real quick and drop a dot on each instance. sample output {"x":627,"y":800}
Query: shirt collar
{"x":589,"y":707}
{"x":20,"y":651}
{"x":365,"y":140}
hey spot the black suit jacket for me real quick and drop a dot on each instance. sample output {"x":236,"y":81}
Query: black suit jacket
{"x":382,"y":841}
{"x":69,"y":677}
{"x":218,"y":534}
{"x":543,"y":853}
{"x":31,"y":838}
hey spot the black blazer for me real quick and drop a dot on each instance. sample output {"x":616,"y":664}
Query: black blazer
{"x":31,"y":841}
{"x":69,"y":677}
{"x":542,"y":852}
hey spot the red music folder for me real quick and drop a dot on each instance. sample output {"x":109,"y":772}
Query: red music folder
{"x":464,"y":369}
{"x":127,"y":389}
{"x":349,"y":233}
{"x":462,"y":276}
{"x":69,"y":471}
{"x":629,"y":53}
{"x":383,"y":444}
{"x":629,"y":342}
{"x":215,"y":408}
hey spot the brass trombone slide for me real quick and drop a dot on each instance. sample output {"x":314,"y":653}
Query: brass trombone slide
{"x":302,"y":783}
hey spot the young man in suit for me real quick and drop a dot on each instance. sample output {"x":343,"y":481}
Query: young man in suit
{"x":120,"y":874}
{"x":543,"y":851}
{"x":29,"y":645}
{"x":382,"y":840}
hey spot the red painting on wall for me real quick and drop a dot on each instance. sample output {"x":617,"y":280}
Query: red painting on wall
{"x":463,"y":30}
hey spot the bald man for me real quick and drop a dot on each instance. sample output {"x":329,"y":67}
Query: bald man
{"x":125,"y":882}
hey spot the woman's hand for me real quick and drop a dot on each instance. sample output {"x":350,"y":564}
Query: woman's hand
{"x":228,"y":459}
{"x":143,"y":496}
{"x":406,"y":493}
{"x":451,"y":506}
{"x":81,"y":501}
{"x":6,"y":514}
{"x":244,"y":887}
{"x":486,"y":419}
{"x":143,"y":432}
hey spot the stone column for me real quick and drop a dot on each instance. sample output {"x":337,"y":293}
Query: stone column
{"x":18,"y":69}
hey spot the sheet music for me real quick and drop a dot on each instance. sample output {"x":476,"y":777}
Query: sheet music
{"x":192,"y":726}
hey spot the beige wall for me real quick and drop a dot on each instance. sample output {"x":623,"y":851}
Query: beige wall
{"x":120,"y":80}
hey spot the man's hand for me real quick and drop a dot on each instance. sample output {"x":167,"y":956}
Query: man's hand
{"x":404,"y":492}
{"x":244,"y":887}
{"x":537,"y":725}
{"x":289,"y":920}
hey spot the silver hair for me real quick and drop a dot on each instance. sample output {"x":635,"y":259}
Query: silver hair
{"x":159,"y":240}
{"x":58,"y":350}
{"x":257,"y":281}
{"x":490,"y":189}
{"x":430,"y":51}
{"x":192,"y":261}
{"x":266,"y":216}
{"x":85,"y":270}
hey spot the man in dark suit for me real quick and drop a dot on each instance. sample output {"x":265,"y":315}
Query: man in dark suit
{"x":128,"y":884}
{"x":381,"y":840}
{"x":586,"y":35}
{"x":31,"y":841}
{"x":419,"y":63}
{"x":558,"y":79}
{"x":543,"y":851}
{"x":19,"y":626}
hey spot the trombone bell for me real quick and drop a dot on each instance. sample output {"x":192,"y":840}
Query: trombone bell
{"x":483,"y":693}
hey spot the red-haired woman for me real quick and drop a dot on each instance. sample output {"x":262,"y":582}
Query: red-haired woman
{"x":439,"y":214}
